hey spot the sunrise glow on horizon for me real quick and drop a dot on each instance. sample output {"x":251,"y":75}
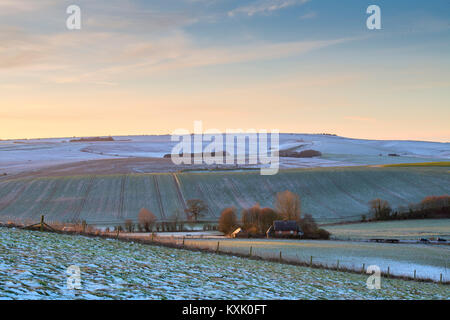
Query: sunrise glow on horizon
{"x":139,"y":67}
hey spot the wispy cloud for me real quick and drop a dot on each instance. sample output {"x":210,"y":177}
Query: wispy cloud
{"x":8,"y":7}
{"x":265,"y":7}
{"x":108,"y":57}
{"x":308,"y":16}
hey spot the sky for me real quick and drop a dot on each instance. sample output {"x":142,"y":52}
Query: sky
{"x":151,"y":67}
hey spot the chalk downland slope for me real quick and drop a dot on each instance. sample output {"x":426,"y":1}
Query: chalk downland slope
{"x":329,"y":194}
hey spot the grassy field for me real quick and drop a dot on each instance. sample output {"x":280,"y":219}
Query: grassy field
{"x":421,"y":164}
{"x":429,"y":261}
{"x":329,"y":194}
{"x":400,"y":229}
{"x":33,"y":266}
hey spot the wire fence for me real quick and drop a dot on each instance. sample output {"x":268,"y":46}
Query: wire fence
{"x":253,"y":249}
{"x":274,"y":250}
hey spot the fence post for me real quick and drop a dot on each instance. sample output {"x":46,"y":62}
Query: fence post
{"x":251,"y":248}
{"x":117,"y":234}
{"x":183,"y":241}
{"x":42,"y":223}
{"x":218,"y":244}
{"x":440,"y":280}
{"x":281,"y":258}
{"x":414,"y":274}
{"x":388,"y":271}
{"x":83,"y":226}
{"x":337,"y":265}
{"x":310,"y":261}
{"x":363,"y":267}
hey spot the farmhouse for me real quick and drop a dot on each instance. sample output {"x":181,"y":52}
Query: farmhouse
{"x":284,"y":229}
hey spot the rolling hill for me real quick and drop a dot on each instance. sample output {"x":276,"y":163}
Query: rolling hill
{"x":329,"y":194}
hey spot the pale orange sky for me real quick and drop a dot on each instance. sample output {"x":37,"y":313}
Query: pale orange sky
{"x":130,"y":75}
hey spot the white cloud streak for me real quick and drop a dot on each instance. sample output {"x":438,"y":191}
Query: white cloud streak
{"x":265,"y":7}
{"x":107,"y":57}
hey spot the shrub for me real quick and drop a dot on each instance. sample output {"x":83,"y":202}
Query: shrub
{"x":311,"y":230}
{"x":253,"y":232}
{"x":323,"y":234}
{"x":228,"y":220}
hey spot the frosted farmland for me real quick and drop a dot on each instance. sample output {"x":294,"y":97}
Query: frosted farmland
{"x":23,"y":155}
{"x":329,"y":194}
{"x":33,"y":266}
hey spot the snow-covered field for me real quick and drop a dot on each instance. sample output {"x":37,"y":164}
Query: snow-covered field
{"x":394,"y":229}
{"x":33,"y":266}
{"x":27,"y":155}
{"x":429,"y":261}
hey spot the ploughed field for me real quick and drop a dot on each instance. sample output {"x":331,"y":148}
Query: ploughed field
{"x":329,"y":194}
{"x":33,"y":266}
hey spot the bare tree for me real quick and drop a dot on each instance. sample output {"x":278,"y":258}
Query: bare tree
{"x":146,"y":219}
{"x":380,"y":208}
{"x":195,"y":208}
{"x":266,"y":218}
{"x":288,"y":205}
{"x":249,"y":218}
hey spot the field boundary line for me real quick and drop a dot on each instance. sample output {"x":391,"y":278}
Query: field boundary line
{"x":87,"y":191}
{"x":122,"y":193}
{"x":179,"y":192}
{"x":158,"y":196}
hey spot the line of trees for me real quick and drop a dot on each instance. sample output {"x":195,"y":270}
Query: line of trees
{"x":429,"y":207}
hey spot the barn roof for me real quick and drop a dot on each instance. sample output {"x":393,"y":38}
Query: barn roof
{"x":286,"y":225}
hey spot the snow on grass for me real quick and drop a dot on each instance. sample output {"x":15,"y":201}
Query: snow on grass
{"x":429,"y":261}
{"x":33,"y":266}
{"x":22,"y":155}
{"x":399,"y":229}
{"x":329,"y":194}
